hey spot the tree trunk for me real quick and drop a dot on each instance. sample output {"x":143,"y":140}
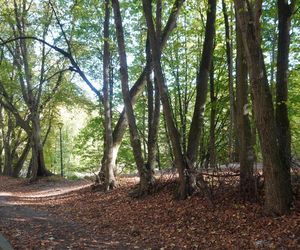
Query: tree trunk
{"x":139,"y":85}
{"x":19,"y":165}
{"x":167,"y":109}
{"x":153,"y":125}
{"x":8,"y":156}
{"x":212,"y":137}
{"x":285,"y":11}
{"x":202,"y":84}
{"x":110,"y":181}
{"x":153,"y":103}
{"x":144,"y":173}
{"x":246,"y":151}
{"x":8,"y":160}
{"x":1,"y":138}
{"x":232,"y":130}
{"x":38,"y":163}
{"x":277,"y":184}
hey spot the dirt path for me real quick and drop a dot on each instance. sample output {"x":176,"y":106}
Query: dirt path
{"x":59,"y":214}
{"x":24,"y":221}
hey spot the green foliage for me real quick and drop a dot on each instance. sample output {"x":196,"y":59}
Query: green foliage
{"x":89,"y":145}
{"x":82,"y":22}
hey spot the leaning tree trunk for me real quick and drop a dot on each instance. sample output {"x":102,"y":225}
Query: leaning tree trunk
{"x":146,"y":180}
{"x":246,"y":150}
{"x":8,"y":159}
{"x":277,"y":185}
{"x":167,"y":109}
{"x":20,"y":163}
{"x":7,"y":144}
{"x":138,"y":87}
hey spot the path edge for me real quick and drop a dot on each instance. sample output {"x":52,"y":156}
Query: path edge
{"x":4,"y":244}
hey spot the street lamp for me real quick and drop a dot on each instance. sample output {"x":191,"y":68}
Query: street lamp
{"x":60,"y":125}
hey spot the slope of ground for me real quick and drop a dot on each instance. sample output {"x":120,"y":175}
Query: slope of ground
{"x":63,"y":214}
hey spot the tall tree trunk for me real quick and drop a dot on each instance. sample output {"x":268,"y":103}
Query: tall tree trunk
{"x":277,"y":183}
{"x":232,"y":129}
{"x":153,"y":103}
{"x":139,"y":85}
{"x":110,"y":181}
{"x":167,"y":109}
{"x":144,"y":173}
{"x":153,"y":126}
{"x":246,"y":151}
{"x":202,"y":84}
{"x":212,"y":137}
{"x":285,"y":11}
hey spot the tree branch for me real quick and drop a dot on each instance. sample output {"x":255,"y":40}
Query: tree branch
{"x":65,"y":54}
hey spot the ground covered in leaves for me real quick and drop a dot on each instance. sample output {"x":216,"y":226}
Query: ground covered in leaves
{"x":60,"y":214}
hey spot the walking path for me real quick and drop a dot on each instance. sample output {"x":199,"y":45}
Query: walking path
{"x":25,"y":222}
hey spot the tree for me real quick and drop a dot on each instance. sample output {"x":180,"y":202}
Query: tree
{"x":246,"y":151}
{"x":277,"y":184}
{"x":285,"y":12}
{"x":22,"y":54}
{"x":146,"y":178}
{"x":109,"y":171}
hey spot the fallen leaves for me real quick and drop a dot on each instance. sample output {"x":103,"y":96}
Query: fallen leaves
{"x":82,"y":219}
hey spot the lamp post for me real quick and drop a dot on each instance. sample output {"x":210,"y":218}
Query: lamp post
{"x":60,"y":125}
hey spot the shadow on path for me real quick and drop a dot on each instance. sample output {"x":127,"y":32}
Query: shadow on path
{"x":26,"y":222}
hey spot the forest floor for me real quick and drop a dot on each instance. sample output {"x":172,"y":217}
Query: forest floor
{"x":55,"y":213}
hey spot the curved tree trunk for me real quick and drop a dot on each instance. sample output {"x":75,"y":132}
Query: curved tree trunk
{"x":19,"y":165}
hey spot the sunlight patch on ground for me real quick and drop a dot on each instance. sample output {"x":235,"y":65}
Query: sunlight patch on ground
{"x":5,"y":194}
{"x":54,"y":192}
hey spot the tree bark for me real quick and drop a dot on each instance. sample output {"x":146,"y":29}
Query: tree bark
{"x":7,"y":141}
{"x":110,"y":181}
{"x":153,"y":103}
{"x":167,"y":109}
{"x":212,"y":137}
{"x":202,"y":84}
{"x":153,"y":124}
{"x":146,"y":180}
{"x":38,"y":162}
{"x":139,"y":85}
{"x":246,"y":150}
{"x":277,"y":184}
{"x":232,"y":130}
{"x":20,"y":163}
{"x":285,"y":11}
